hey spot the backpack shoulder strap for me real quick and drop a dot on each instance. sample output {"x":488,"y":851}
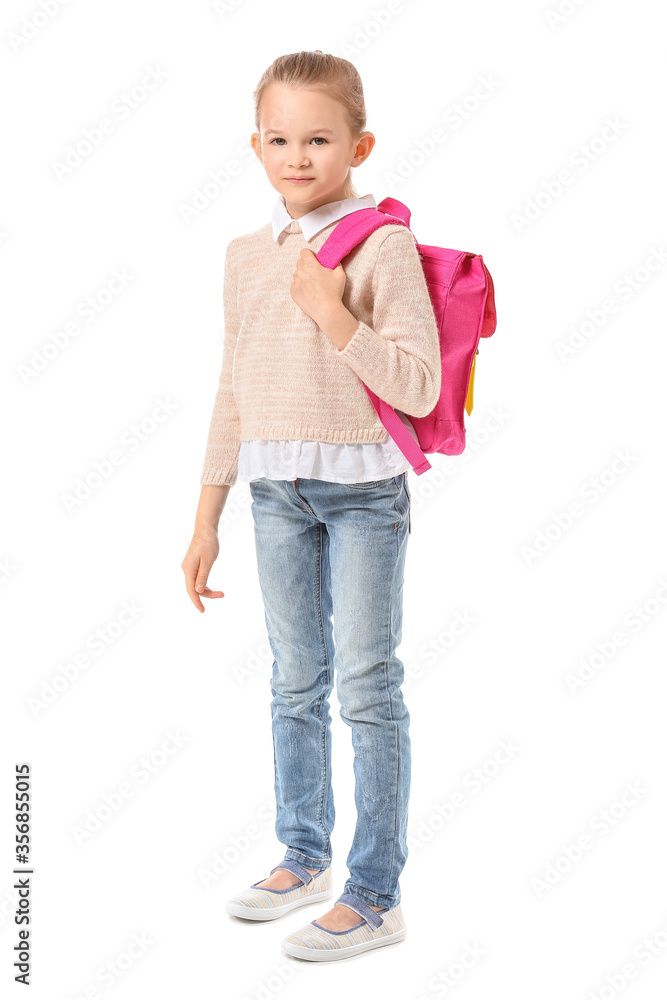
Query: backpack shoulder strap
{"x":350,"y":231}
{"x":347,"y":234}
{"x":392,"y":206}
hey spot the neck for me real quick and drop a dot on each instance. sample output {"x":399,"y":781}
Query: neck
{"x":296,"y":211}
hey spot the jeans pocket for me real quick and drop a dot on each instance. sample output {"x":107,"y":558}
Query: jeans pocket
{"x":375,"y":484}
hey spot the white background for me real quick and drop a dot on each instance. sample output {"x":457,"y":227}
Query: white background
{"x":478,"y":880}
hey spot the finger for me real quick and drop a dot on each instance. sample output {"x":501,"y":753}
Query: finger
{"x":207,"y":592}
{"x":196,"y":574}
{"x":202,"y":580}
{"x":190,"y":575}
{"x":190,"y":567}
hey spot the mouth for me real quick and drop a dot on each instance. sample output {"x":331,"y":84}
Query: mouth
{"x":299,"y":180}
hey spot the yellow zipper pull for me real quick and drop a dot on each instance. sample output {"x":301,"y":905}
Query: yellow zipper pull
{"x":470,"y":384}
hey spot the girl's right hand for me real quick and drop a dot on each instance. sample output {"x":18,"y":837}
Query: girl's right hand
{"x":199,"y":558}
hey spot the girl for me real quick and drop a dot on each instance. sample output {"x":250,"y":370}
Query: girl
{"x":330,"y":498}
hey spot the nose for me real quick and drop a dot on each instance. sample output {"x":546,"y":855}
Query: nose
{"x":297,"y":160}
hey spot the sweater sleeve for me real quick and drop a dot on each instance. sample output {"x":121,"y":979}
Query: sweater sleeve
{"x":399,"y":357}
{"x":224,"y":440}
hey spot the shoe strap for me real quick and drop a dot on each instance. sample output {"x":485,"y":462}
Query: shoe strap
{"x":296,"y":869}
{"x":363,"y":909}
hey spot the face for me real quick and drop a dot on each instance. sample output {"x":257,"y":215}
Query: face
{"x":304,"y":133}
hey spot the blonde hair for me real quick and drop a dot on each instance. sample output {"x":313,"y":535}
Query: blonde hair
{"x":317,"y":69}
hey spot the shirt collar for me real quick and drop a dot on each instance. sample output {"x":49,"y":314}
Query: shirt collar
{"x":312,"y":222}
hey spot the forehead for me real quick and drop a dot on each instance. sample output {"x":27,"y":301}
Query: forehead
{"x":299,"y":110}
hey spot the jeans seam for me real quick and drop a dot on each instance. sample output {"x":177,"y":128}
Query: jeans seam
{"x":273,"y":731}
{"x":396,"y":739}
{"x":407,"y":490}
{"x":323,"y":737}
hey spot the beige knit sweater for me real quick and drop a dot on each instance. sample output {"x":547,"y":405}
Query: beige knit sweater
{"x":283,"y":378}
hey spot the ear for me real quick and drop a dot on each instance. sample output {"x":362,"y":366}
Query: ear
{"x":256,"y":143}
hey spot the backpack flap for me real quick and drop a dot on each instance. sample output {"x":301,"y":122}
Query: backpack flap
{"x":487,"y":329}
{"x":489,"y":321}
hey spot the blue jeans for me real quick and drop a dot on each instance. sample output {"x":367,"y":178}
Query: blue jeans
{"x":332,"y":548}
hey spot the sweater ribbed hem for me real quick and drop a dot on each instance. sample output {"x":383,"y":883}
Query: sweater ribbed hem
{"x":277,"y":432}
{"x":214,"y":477}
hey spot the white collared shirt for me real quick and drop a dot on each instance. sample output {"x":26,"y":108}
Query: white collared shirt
{"x":333,"y":462}
{"x":313,"y":222}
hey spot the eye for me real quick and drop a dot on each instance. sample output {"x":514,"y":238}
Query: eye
{"x":279,"y":139}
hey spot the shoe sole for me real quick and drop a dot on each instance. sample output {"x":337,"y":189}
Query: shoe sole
{"x":325,"y":955}
{"x":273,"y":912}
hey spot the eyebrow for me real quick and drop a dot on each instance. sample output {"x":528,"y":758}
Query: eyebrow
{"x":273,"y":131}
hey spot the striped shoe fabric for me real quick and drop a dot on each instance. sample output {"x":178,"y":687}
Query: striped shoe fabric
{"x":268,"y":904}
{"x":376,"y":928}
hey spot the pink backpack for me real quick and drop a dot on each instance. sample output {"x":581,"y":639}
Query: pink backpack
{"x":462,"y":296}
